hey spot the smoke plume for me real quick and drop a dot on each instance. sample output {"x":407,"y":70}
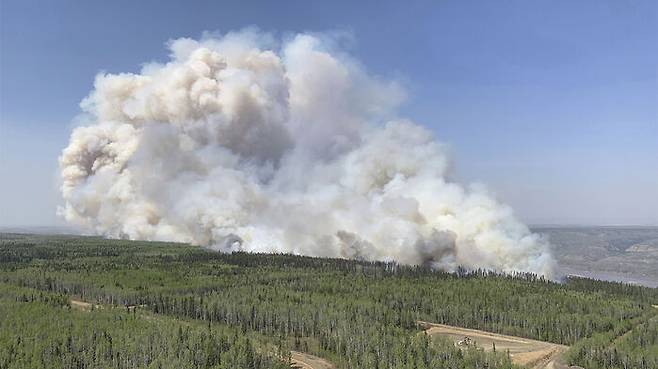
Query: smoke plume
{"x":241,"y":142}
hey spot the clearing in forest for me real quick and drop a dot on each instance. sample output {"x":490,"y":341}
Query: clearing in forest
{"x":83,"y":305}
{"x":303,"y":360}
{"x":523,"y":351}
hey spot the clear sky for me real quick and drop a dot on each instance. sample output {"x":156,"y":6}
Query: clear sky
{"x":552,"y":104}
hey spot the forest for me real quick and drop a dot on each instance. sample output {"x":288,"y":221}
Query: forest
{"x":88,"y":302}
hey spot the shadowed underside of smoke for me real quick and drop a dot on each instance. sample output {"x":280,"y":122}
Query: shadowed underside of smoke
{"x":241,"y":142}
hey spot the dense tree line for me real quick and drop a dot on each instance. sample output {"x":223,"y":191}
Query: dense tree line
{"x":36,"y":332}
{"x":636,"y":349}
{"x":358,"y":314}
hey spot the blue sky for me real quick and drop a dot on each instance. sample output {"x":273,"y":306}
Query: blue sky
{"x":552,"y":104}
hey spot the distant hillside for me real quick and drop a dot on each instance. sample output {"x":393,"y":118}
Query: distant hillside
{"x":42,"y":230}
{"x":627,"y":254}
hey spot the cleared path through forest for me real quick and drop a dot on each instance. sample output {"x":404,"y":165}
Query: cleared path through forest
{"x":523,"y":351}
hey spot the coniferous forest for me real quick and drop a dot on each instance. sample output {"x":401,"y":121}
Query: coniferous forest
{"x":87,"y":302}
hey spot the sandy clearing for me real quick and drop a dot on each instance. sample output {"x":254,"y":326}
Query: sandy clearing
{"x":302,"y":360}
{"x":86,"y":306}
{"x":83,"y":305}
{"x":523,"y":351}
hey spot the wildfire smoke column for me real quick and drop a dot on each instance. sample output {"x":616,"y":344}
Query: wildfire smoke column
{"x":241,"y":142}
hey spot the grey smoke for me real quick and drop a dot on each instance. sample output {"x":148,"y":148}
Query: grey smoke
{"x":238,"y":143}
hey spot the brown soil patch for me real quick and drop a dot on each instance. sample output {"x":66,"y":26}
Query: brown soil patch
{"x":82,"y":305}
{"x":302,"y":360}
{"x":523,"y":351}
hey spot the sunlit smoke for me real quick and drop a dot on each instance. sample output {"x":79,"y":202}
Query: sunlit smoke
{"x":241,"y":142}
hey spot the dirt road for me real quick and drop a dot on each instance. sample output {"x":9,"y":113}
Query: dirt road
{"x":302,"y":360}
{"x":523,"y":351}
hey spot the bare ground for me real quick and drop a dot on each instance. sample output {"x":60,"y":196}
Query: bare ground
{"x":82,"y":305}
{"x":302,"y":360}
{"x":523,"y":351}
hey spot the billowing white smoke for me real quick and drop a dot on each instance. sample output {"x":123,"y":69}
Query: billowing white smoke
{"x":240,"y":144}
